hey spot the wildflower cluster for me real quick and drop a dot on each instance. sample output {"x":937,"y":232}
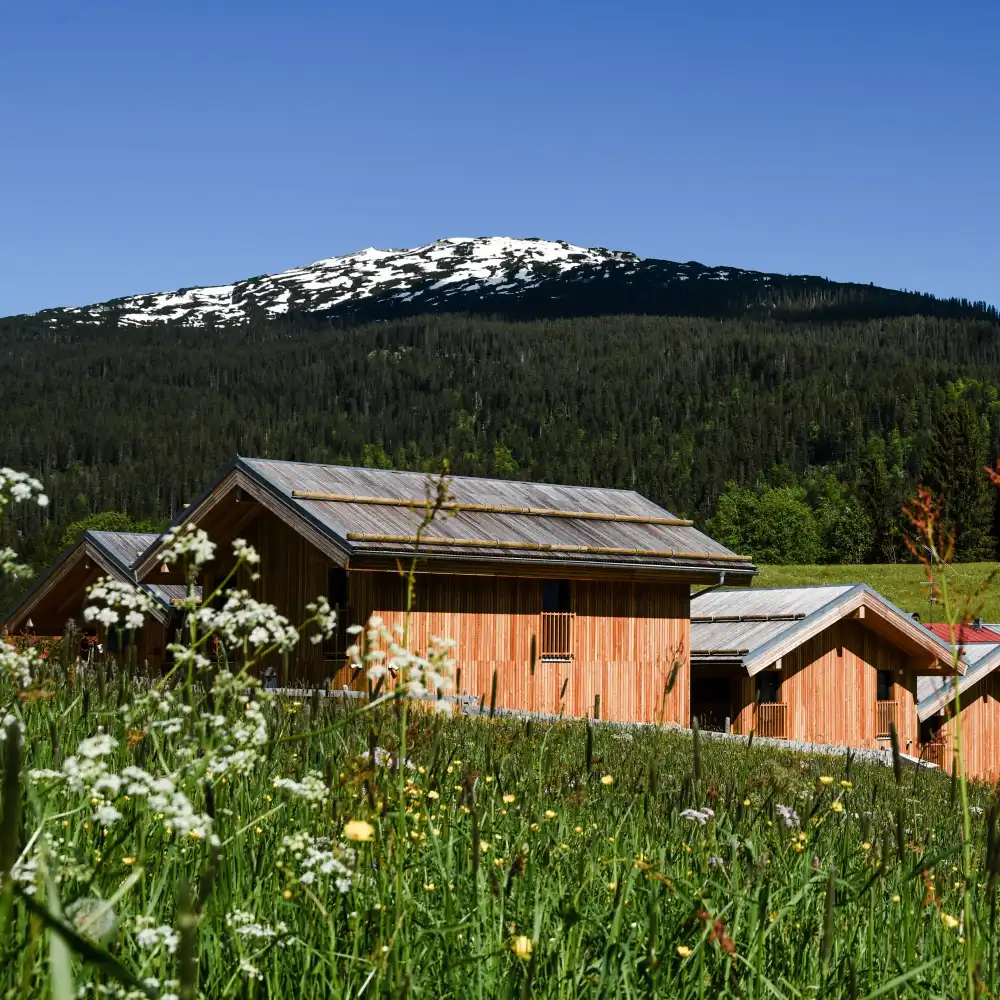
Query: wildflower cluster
{"x":309,"y":858}
{"x":117,"y":603}
{"x":384,"y":656}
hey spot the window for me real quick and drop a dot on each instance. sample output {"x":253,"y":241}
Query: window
{"x":884,"y":686}
{"x":557,"y":620}
{"x":556,"y":595}
{"x":338,"y":594}
{"x":768,"y":687}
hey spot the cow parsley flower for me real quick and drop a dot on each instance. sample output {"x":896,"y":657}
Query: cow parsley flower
{"x":788,"y":815}
{"x":188,"y":542}
{"x":701,"y":816}
{"x":117,"y":601}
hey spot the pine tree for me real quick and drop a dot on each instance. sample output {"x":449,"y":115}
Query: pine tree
{"x":954,"y":471}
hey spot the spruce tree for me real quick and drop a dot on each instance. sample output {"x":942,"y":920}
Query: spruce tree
{"x":954,"y":471}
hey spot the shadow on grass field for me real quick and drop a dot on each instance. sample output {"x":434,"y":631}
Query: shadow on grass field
{"x":902,"y":583}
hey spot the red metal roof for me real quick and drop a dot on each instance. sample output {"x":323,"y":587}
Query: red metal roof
{"x":965,"y":634}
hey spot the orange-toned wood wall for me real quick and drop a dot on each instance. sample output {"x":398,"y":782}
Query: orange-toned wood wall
{"x":829,"y":684}
{"x":626,"y":635}
{"x":980,"y":730}
{"x":626,"y":638}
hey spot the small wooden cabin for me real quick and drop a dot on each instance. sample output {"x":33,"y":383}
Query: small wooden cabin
{"x":60,"y":595}
{"x":834,"y":665}
{"x":599,"y":579}
{"x":979,"y":700}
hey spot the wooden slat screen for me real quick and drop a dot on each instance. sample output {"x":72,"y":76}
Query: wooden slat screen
{"x":772,"y":719}
{"x":557,"y":635}
{"x":885,"y":719}
{"x":934,"y":753}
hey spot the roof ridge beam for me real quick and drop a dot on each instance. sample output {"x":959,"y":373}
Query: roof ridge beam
{"x":485,"y":508}
{"x":497,"y":543}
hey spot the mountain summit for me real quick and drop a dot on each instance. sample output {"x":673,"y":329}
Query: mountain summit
{"x":517,"y":278}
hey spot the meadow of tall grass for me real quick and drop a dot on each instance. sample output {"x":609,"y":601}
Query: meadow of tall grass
{"x":193,"y":835}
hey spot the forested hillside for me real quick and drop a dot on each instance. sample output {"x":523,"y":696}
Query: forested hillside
{"x":822,"y":426}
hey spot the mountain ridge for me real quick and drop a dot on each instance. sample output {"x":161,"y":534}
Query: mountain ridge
{"x":516,"y":277}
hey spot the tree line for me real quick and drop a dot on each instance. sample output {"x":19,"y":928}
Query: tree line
{"x":743,"y":423}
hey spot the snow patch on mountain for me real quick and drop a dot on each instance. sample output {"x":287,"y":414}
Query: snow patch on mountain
{"x":455,"y":266}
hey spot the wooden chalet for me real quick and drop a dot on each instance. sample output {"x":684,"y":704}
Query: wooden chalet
{"x":60,"y":595}
{"x":979,"y":700}
{"x":835,"y":665}
{"x":598,"y":579}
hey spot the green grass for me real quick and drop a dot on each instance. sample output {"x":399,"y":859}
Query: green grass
{"x":902,"y":583}
{"x":501,"y":829}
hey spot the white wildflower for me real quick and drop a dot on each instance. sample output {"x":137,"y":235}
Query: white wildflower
{"x":188,"y":543}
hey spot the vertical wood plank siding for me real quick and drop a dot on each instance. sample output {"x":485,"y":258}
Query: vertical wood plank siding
{"x":625,"y":640}
{"x":829,"y":684}
{"x":980,"y":730}
{"x":292,"y":574}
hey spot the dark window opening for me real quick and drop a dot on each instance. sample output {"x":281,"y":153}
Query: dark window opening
{"x":338,"y":594}
{"x":884,"y":686}
{"x":768,"y":688}
{"x":556,"y":595}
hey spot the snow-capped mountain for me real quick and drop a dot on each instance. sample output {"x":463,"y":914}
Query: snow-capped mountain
{"x":498,"y":275}
{"x":457,"y":272}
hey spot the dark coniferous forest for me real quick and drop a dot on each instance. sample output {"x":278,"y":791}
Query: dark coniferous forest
{"x":796,"y":432}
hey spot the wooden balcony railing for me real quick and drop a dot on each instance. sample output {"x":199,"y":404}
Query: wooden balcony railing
{"x":885,"y":719}
{"x":772,"y":719}
{"x":557,"y":635}
{"x":935,"y":753}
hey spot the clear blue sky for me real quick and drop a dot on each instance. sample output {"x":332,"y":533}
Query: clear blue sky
{"x":146,"y":146}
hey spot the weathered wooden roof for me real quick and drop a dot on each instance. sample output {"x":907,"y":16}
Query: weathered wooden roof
{"x":379,"y":512}
{"x":934,"y":693}
{"x":755,"y":626}
{"x":124,"y":547}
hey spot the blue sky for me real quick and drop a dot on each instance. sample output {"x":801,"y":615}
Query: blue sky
{"x":150,"y":146}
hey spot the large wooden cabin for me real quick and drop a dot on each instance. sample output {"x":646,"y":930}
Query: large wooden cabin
{"x":979,"y":700}
{"x":60,"y":595}
{"x":598,"y":579}
{"x":835,"y":665}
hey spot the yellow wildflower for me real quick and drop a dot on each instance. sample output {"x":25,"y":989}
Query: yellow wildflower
{"x":683,"y":950}
{"x":508,"y":798}
{"x":825,"y":779}
{"x":837,"y":806}
{"x":358,"y":830}
{"x":949,"y":921}
{"x":550,"y":814}
{"x":433,"y":795}
{"x":606,"y":779}
{"x":522,"y":946}
{"x":846,"y":784}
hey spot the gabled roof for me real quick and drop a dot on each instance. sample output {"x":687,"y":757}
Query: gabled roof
{"x":351,"y":512}
{"x":114,"y":552}
{"x":935,"y":693}
{"x":756,"y":626}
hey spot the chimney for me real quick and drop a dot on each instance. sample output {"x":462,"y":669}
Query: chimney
{"x":915,"y":615}
{"x":977,"y":623}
